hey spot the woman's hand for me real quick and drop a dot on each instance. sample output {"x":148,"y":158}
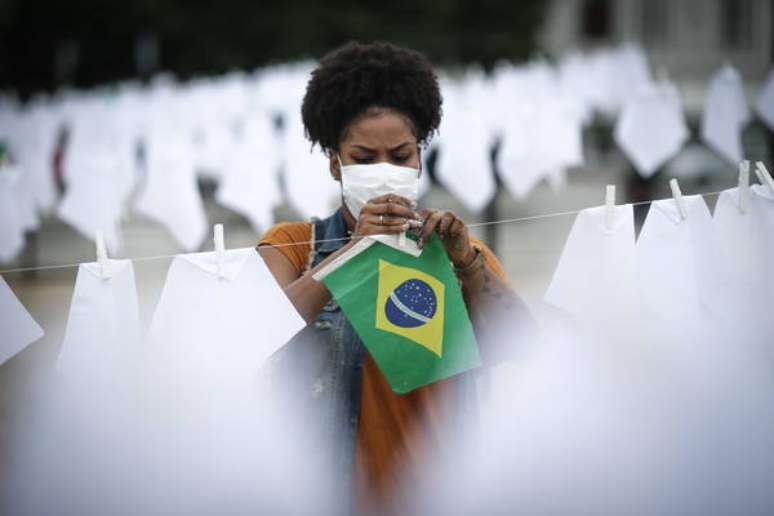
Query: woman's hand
{"x":453,"y":233}
{"x":385,"y":215}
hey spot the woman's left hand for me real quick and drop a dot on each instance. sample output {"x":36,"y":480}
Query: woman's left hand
{"x":453,"y":233}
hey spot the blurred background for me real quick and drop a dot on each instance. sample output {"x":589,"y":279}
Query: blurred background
{"x":152,"y":120}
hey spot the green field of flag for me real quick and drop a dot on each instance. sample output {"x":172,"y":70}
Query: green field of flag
{"x":408,"y":311}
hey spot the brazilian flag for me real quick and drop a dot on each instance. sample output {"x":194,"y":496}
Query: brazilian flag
{"x":407,"y":310}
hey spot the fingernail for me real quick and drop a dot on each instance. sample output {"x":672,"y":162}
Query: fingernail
{"x":405,"y":227}
{"x":415,"y":223}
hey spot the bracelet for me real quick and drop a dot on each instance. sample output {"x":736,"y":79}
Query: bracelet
{"x":477,"y":263}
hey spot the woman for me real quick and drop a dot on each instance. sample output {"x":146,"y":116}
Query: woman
{"x":370,"y":105}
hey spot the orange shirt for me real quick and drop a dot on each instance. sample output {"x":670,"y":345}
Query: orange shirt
{"x":395,"y":432}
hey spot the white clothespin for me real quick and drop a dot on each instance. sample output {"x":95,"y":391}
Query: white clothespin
{"x":609,"y":206}
{"x":744,"y":185}
{"x":220,"y":249}
{"x":764,"y":176}
{"x":102,"y":257}
{"x":678,"y":195}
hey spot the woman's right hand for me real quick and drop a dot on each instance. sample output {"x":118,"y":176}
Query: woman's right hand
{"x":386,"y":215}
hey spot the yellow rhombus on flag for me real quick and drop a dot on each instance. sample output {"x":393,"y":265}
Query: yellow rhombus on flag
{"x":407,"y":310}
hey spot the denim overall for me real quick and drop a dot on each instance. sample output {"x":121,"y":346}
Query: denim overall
{"x":330,"y":354}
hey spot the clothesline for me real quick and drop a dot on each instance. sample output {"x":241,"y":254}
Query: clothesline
{"x":307,"y":242}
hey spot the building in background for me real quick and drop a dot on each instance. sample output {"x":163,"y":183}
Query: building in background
{"x":686,"y":39}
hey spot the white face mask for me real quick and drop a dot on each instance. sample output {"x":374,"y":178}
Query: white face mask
{"x":361,"y":183}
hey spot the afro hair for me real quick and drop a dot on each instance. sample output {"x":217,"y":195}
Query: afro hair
{"x":355,"y":77}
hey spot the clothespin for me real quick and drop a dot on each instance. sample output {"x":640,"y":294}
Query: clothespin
{"x":102,"y":257}
{"x":678,"y":196}
{"x":609,"y":206}
{"x":220,"y":249}
{"x":744,"y":185}
{"x":764,"y":176}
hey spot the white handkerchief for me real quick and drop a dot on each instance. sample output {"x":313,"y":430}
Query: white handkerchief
{"x":311,"y":189}
{"x":739,"y":255}
{"x":11,"y":223}
{"x":725,"y":114}
{"x":93,"y":204}
{"x":464,"y":161}
{"x":651,"y":129}
{"x":594,"y":280}
{"x":251,"y":184}
{"x":103,"y":327}
{"x":18,"y":327}
{"x":233,"y":261}
{"x":539,"y":142}
{"x":674,"y":262}
{"x":765,"y":104}
{"x":215,"y":332}
{"x":171,"y":195}
{"x":762,"y":212}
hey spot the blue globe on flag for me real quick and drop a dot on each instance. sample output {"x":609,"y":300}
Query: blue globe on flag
{"x":411,"y":304}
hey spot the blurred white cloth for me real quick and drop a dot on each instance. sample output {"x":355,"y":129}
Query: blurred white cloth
{"x":540,"y":142}
{"x":725,"y":114}
{"x":103,"y":326}
{"x":310,"y":188}
{"x":33,"y":143}
{"x":250,"y":184}
{"x":18,"y":327}
{"x":765,"y":103}
{"x":217,"y":332}
{"x":17,"y":212}
{"x":651,"y":128}
{"x":94,"y":202}
{"x":171,"y":193}
{"x":465,"y":142}
{"x":595,"y":278}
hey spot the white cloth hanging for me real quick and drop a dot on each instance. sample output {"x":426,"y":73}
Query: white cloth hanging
{"x":740,"y":262}
{"x":103,"y":326}
{"x":465,"y":142}
{"x":764,"y":106}
{"x":171,"y":193}
{"x":310,"y":188}
{"x":13,"y":214}
{"x":595,"y":278}
{"x":251,"y":181}
{"x":19,"y":328}
{"x":725,"y":114}
{"x":762,"y":212}
{"x":33,"y":144}
{"x":217,"y":333}
{"x":94,"y":202}
{"x":675,"y":264}
{"x":651,"y":128}
{"x":540,"y":142}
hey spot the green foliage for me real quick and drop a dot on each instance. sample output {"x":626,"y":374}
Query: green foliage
{"x":202,"y":37}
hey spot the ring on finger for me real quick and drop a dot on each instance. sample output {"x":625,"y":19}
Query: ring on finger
{"x":381,"y":220}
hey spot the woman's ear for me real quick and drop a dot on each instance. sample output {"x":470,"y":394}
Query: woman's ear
{"x":333,"y":165}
